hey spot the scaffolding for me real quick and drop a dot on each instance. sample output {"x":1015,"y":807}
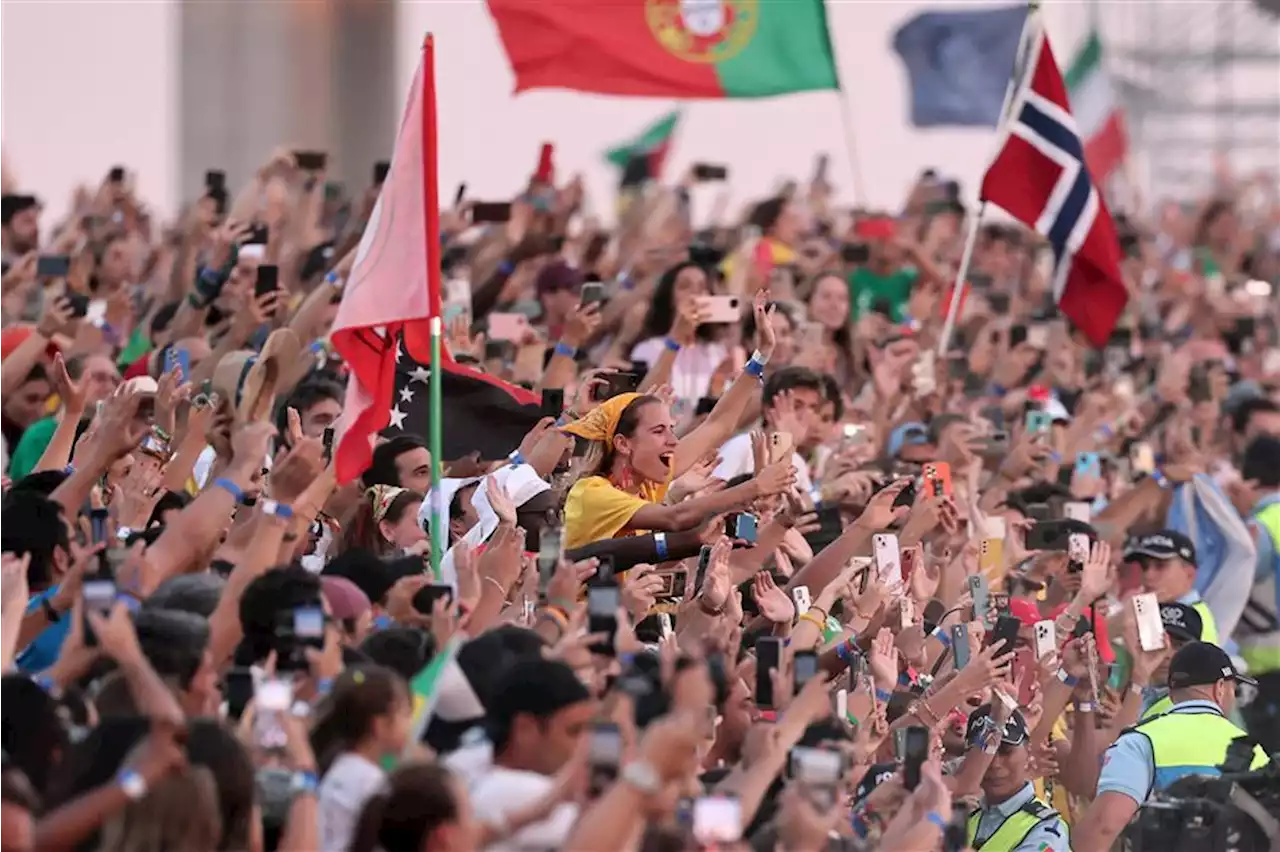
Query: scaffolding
{"x":1200,"y":84}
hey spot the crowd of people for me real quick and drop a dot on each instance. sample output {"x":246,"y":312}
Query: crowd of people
{"x":771,"y":576}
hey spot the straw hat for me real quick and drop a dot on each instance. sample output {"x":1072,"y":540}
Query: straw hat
{"x":248,"y":379}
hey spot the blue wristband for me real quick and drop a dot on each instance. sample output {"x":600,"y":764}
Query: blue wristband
{"x":997,"y":389}
{"x":506,"y":268}
{"x":230,"y":487}
{"x":754,"y":368}
{"x":941,"y":635}
{"x":936,"y":818}
{"x":324,"y":685}
{"x":1159,"y":478}
{"x":566,"y":350}
{"x":881,"y":695}
{"x":46,"y":683}
{"x":671,"y":344}
{"x":660,"y":542}
{"x":516,"y":458}
{"x":303,"y":782}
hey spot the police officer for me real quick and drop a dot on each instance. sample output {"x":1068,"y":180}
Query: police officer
{"x":1168,"y":562}
{"x":1190,"y":739}
{"x":1182,"y":625}
{"x":1011,"y":818}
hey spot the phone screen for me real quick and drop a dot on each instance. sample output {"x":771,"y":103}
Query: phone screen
{"x":268,"y":279}
{"x":768,"y":658}
{"x":308,"y":625}
{"x":804,"y":667}
{"x":552,"y":402}
{"x":549,"y":552}
{"x":915,"y":750}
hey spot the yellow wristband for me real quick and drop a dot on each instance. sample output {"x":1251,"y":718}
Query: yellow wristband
{"x":808,"y":616}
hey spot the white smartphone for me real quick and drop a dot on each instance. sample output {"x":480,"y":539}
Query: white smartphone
{"x":842,"y":704}
{"x":803,"y":601}
{"x":1077,"y":510}
{"x":1046,"y":638}
{"x":272,"y":697}
{"x":717,"y":819}
{"x":1078,"y":548}
{"x":907,"y":611}
{"x":996,"y":527}
{"x":252,"y":251}
{"x":1150,"y":628}
{"x":1038,"y":336}
{"x":888,"y":557}
{"x":510,"y":327}
{"x":720,"y":309}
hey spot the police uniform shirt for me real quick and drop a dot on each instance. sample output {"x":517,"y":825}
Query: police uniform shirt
{"x":1049,"y":836}
{"x":1128,"y":767}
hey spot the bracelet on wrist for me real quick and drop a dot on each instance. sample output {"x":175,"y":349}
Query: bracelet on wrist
{"x":1066,"y":678}
{"x":672,"y":344}
{"x":566,"y":350}
{"x":230,"y":487}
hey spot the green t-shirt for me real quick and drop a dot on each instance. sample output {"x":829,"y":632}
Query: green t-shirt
{"x":866,"y":288}
{"x":31,"y":446}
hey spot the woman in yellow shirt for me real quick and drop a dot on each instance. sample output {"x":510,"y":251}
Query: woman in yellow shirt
{"x":635,"y":455}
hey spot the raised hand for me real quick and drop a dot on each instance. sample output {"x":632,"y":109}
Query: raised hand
{"x":774,"y":604}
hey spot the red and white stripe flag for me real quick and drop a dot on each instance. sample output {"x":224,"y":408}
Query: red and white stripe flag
{"x":389,"y":292}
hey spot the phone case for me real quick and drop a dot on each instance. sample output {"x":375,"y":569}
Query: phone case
{"x":1045,"y":638}
{"x":780,"y":446}
{"x":937,"y":477}
{"x":980,"y":593}
{"x":960,"y":644}
{"x":996,"y":527}
{"x":1078,"y":548}
{"x":1077,"y":511}
{"x":507,"y":326}
{"x":720,"y":309}
{"x":800,"y":594}
{"x":1150,"y":627}
{"x":888,"y":560}
{"x":907,"y":611}
{"x":1088,"y":464}
{"x":991,"y":556}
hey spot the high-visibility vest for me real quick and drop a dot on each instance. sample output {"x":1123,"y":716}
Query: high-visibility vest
{"x":1190,"y":742}
{"x":1209,"y":631}
{"x":1257,"y":636}
{"x":1013,"y":830}
{"x":1159,"y":708}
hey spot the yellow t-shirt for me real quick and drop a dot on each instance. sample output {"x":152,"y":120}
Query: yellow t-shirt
{"x":596,"y":510}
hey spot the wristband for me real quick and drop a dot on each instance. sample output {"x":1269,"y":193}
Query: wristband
{"x":1085,"y":707}
{"x":517,"y":458}
{"x":230,"y":487}
{"x":625,"y":281}
{"x":813,"y":619}
{"x":334,"y":281}
{"x":671,"y":344}
{"x":941,"y":635}
{"x":660,"y":542}
{"x":936,"y":818}
{"x":506,"y":268}
{"x":754,"y":368}
{"x":47,"y":684}
{"x":997,"y":389}
{"x":566,"y":350}
{"x":1160,"y":479}
{"x":324,"y":686}
{"x":1066,"y":678}
{"x":276,"y":509}
{"x":132,"y":783}
{"x":882,"y":695}
{"x":303,"y":783}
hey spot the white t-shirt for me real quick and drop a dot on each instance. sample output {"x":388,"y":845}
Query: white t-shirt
{"x":345,"y":788}
{"x":695,"y":365}
{"x":501,"y":793}
{"x":736,"y":459}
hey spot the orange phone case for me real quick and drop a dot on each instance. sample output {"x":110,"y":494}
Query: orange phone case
{"x":937,"y":476}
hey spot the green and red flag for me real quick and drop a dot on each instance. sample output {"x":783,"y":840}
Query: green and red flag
{"x":642,"y":157}
{"x":1096,"y":109}
{"x":668,"y":48}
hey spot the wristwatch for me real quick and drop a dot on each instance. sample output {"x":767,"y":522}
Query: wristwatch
{"x":643,"y":777}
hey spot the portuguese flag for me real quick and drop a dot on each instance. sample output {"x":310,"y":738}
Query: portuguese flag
{"x":642,"y":157}
{"x":668,"y":48}
{"x":1096,"y":109}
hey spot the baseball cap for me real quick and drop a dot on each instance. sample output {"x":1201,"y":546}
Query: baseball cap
{"x":557,"y":276}
{"x":1024,"y":610}
{"x":1181,"y":621}
{"x":1015,"y":729}
{"x":1163,"y":544}
{"x":911,"y":434}
{"x":1200,"y":664}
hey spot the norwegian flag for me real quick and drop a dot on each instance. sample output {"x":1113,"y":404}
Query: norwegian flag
{"x":1039,"y":177}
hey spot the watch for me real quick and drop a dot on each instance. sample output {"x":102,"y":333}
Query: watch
{"x":132,"y":783}
{"x":643,"y":777}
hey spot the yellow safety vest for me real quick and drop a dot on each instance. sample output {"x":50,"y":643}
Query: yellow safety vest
{"x":1262,"y":652}
{"x":1013,"y":830}
{"x":1209,"y":632}
{"x":1190,"y":742}
{"x":1164,"y":705}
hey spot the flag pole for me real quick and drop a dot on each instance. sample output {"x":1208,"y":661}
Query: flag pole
{"x":851,"y":141}
{"x":431,"y":203}
{"x":975,"y":223}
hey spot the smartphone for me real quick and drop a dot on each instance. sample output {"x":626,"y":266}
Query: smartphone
{"x":1142,"y":459}
{"x":308,"y":625}
{"x":1076,"y":510}
{"x":327,"y":439}
{"x":720,"y":309}
{"x":550,"y":551}
{"x":215,"y":181}
{"x":991,"y":557}
{"x":116,"y":175}
{"x":704,"y":561}
{"x":1150,"y":626}
{"x":710,"y":171}
{"x":980,"y":594}
{"x":491,"y":211}
{"x":996,"y":446}
{"x":1038,"y":336}
{"x":380,"y":171}
{"x":268,"y":279}
{"x":1006,"y":633}
{"x":310,"y":161}
{"x":804,"y":668}
{"x":238,"y":689}
{"x":97,"y":594}
{"x":673,"y":584}
{"x":1088,"y":464}
{"x":593,"y":293}
{"x":179,"y":359}
{"x":802,"y":599}
{"x":604,"y":754}
{"x":768,"y":658}
{"x":616,"y":384}
{"x":742,"y":526}
{"x":915,"y":751}
{"x":781,"y":446}
{"x":1077,"y":551}
{"x":272,"y":697}
{"x":1047,"y":535}
{"x":552,"y":402}
{"x":717,"y":820}
{"x":603,"y":600}
{"x":888,"y":559}
{"x":855,"y":253}
{"x":53,"y":265}
{"x":937,"y":479}
{"x":425,"y":598}
{"x":960,"y":644}
{"x":508,"y":327}
{"x":1039,"y":422}
{"x":1045,"y":638}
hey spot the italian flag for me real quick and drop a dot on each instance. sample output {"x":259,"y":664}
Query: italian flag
{"x":651,"y":147}
{"x":668,"y":48}
{"x":1097,"y":110}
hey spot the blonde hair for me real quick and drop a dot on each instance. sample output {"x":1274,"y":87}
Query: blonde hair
{"x":179,"y":812}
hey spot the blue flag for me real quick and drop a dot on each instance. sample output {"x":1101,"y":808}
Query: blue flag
{"x":959,"y":64}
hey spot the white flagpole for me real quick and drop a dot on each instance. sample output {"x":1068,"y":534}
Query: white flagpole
{"x":975,"y":223}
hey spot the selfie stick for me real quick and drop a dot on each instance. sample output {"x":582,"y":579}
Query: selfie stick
{"x":962,"y":275}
